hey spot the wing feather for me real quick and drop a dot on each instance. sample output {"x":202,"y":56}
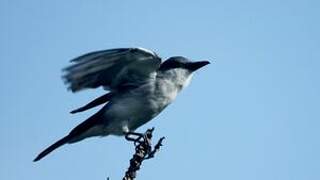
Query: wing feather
{"x":112,"y":69}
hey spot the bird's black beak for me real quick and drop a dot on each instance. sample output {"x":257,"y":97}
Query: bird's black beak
{"x":193,"y":66}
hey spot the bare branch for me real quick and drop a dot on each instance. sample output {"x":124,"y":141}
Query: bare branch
{"x":143,"y":147}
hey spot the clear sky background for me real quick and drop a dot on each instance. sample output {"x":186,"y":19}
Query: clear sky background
{"x":253,"y":114}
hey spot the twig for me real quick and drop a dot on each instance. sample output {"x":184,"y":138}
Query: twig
{"x":142,"y":143}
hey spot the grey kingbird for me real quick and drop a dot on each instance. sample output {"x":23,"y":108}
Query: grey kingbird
{"x":139,"y":86}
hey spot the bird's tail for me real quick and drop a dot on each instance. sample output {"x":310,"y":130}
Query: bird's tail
{"x":54,"y":146}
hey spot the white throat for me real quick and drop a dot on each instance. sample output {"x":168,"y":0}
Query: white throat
{"x":178,"y":78}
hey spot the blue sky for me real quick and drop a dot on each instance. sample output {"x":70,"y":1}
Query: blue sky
{"x":251,"y":114}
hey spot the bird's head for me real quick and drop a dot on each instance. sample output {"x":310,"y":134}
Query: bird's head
{"x":179,"y":62}
{"x":179,"y":69}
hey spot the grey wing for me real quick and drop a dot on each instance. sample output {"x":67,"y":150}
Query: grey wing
{"x":112,"y":69}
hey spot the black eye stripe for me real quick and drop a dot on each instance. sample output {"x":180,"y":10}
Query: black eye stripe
{"x":174,"y":62}
{"x":170,"y":65}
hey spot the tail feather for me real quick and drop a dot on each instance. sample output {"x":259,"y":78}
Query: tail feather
{"x":53,"y":147}
{"x":76,"y":134}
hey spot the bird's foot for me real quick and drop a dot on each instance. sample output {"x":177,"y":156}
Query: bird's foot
{"x":140,"y":137}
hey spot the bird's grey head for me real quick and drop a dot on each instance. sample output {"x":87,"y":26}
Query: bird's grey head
{"x":179,"y":69}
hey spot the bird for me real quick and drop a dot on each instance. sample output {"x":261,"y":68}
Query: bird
{"x":138,"y":84}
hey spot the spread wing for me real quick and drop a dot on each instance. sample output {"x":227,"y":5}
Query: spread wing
{"x":113,"y":69}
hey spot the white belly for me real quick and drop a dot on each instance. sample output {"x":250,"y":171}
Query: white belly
{"x":137,"y":108}
{"x":129,"y":114}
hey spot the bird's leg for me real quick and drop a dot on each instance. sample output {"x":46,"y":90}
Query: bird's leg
{"x":139,"y":137}
{"x":133,"y":136}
